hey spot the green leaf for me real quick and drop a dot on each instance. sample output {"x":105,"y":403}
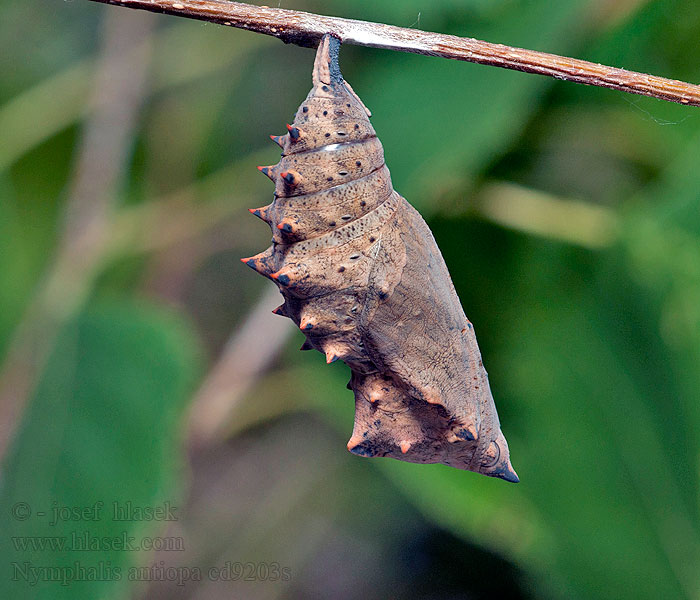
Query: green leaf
{"x":103,"y":426}
{"x":15,"y":262}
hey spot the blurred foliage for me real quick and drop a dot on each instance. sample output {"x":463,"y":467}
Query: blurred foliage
{"x":569,"y":219}
{"x":105,"y":422}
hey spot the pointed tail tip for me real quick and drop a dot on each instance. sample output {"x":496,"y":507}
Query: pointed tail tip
{"x":510,"y":475}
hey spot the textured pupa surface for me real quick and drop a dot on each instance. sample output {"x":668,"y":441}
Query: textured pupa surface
{"x":363,"y":278}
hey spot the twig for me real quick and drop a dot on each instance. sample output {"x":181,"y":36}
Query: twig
{"x":306,"y":29}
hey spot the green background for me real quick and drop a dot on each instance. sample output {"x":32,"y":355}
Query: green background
{"x":569,"y":218}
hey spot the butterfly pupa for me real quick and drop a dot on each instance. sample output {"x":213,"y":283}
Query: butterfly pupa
{"x":364,"y":280}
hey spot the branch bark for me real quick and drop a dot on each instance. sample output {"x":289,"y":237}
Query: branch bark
{"x":306,"y":29}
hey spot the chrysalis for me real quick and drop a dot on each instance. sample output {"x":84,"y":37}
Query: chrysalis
{"x":363,"y":278}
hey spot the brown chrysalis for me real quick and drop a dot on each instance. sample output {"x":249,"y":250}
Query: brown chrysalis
{"x":365,"y":282}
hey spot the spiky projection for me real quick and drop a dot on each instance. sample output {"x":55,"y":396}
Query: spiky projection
{"x":364,"y":280}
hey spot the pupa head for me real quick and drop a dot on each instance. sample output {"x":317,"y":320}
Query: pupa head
{"x":495,"y":460}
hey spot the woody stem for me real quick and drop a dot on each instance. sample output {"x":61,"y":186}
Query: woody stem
{"x":306,"y":29}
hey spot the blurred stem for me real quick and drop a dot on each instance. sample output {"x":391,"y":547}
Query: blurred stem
{"x":306,"y":29}
{"x":33,"y":116}
{"x":249,"y":352}
{"x":118,"y":93}
{"x":538,"y":213}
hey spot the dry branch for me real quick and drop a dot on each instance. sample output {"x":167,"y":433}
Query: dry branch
{"x":306,"y":29}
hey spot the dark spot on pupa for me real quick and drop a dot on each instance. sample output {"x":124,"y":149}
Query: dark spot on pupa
{"x":328,"y":135}
{"x":325,"y":113}
{"x":372,"y":239}
{"x":330,"y":179}
{"x":378,"y":422}
{"x":363,"y":450}
{"x":348,"y":105}
{"x":305,"y":109}
{"x":382,"y":294}
{"x":464,"y":435}
{"x":341,"y":269}
{"x":325,"y":88}
{"x":358,"y":163}
{"x":363,"y":203}
{"x":332,"y":224}
{"x":357,"y":126}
